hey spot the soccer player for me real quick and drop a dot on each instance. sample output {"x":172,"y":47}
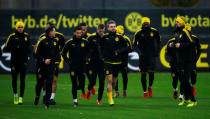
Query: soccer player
{"x":196,"y":55}
{"x":147,"y":43}
{"x":19,"y":45}
{"x":171,"y":53}
{"x":96,"y":64}
{"x":61,"y":42}
{"x":85,"y":35}
{"x":184,"y":52}
{"x":124,"y":66}
{"x":77,"y":48}
{"x":48,"y":56}
{"x":113,"y":45}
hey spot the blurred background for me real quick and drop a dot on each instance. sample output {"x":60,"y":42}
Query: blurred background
{"x":102,"y":4}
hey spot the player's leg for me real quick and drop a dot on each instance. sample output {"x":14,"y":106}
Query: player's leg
{"x":92,"y":82}
{"x":151,"y":80}
{"x":109,"y":71}
{"x":39,"y":84}
{"x":144,"y":83}
{"x":22,"y":83}
{"x":54,"y":85}
{"x":14,"y":83}
{"x":193,"y":80}
{"x":116,"y":69}
{"x":124,"y":72}
{"x":49,"y":73}
{"x":74,"y":77}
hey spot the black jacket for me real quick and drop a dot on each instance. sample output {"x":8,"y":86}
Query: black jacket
{"x":184,"y":54}
{"x":171,"y":52}
{"x":77,"y":50}
{"x":196,"y":49}
{"x":19,"y":45}
{"x":95,"y":53}
{"x":47,"y":48}
{"x":60,"y":38}
{"x":147,"y":42}
{"x":130,"y":49}
{"x":112,"y":47}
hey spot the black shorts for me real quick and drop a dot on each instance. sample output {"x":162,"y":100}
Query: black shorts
{"x":120,"y":68}
{"x":174,"y":67}
{"x":111,"y":69}
{"x":147,"y":64}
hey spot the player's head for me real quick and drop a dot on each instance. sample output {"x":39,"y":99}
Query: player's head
{"x":120,"y":29}
{"x":50,"y":31}
{"x":84,"y":28}
{"x":111,"y":26}
{"x":20,"y":26}
{"x":180,"y":21}
{"x":78,"y":32}
{"x":101,"y":29}
{"x":49,"y":24}
{"x":145,"y":21}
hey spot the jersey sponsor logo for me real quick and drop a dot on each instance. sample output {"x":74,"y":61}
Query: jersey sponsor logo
{"x":116,"y":39}
{"x":26,"y":38}
{"x":133,"y":21}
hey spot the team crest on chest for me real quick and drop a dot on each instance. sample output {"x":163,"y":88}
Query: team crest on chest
{"x":57,"y":38}
{"x":82,"y":45}
{"x":151,"y":34}
{"x":26,"y":38}
{"x":180,"y":35}
{"x":116,"y":39}
{"x":54,"y":43}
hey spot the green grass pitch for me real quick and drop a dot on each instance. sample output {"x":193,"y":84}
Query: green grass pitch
{"x":161,"y":106}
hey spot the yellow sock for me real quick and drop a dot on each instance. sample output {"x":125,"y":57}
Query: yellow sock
{"x":109,"y":95}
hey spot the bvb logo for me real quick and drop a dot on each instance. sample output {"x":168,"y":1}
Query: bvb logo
{"x":133,"y":21}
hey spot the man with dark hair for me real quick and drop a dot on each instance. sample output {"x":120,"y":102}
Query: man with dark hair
{"x":147,"y":43}
{"x":85,"y":35}
{"x":96,"y":64}
{"x":112,"y":45}
{"x":124,"y":66}
{"x":61,"y":42}
{"x":76,"y":48}
{"x":19,"y":45}
{"x":48,"y":56}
